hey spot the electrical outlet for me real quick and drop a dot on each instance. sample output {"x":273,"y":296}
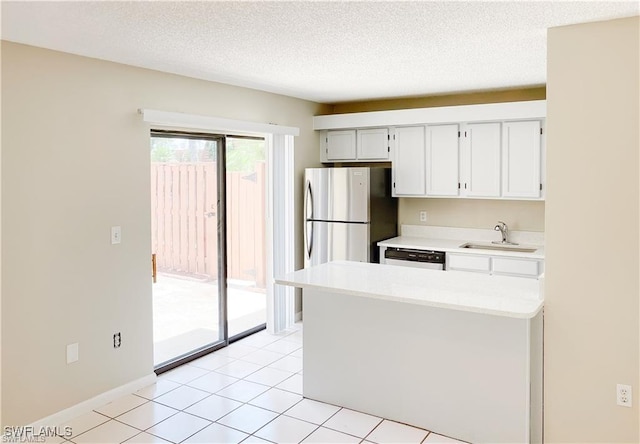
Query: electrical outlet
{"x":423,"y":216}
{"x":624,"y":395}
{"x":117,"y":340}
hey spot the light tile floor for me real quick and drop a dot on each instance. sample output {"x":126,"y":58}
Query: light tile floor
{"x":249,"y":392}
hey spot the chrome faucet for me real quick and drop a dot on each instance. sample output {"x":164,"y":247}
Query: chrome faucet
{"x":504,"y":231}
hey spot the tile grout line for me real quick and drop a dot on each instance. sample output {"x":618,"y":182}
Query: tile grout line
{"x":372,"y":430}
{"x":226,"y":397}
{"x":279,"y":414}
{"x":92,"y":411}
{"x":425,"y":438}
{"x":236,"y":400}
{"x":247,"y":403}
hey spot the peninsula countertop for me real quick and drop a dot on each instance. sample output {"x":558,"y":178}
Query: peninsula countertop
{"x":472,"y":292}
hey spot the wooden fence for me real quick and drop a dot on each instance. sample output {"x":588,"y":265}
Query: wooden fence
{"x":184,"y":221}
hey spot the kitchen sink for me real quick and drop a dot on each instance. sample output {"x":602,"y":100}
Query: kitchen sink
{"x":482,"y":246}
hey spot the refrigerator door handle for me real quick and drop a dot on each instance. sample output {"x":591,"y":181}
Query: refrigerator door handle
{"x":308,"y":199}
{"x":309,"y":239}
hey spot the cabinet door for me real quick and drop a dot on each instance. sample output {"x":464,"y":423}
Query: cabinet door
{"x":483,"y":160}
{"x":373,"y":144}
{"x":442,"y":160}
{"x":521,"y":159}
{"x":409,"y":161}
{"x":515,"y":267}
{"x":341,"y":145}
{"x":469,"y":262}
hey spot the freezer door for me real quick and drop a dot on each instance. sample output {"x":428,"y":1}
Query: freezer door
{"x":337,"y":194}
{"x":329,"y":241}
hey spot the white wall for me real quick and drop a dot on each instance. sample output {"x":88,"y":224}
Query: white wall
{"x":1,"y":242}
{"x":592,"y":224}
{"x":75,"y":161}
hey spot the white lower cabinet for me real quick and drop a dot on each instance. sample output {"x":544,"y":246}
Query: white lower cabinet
{"x":498,"y":265}
{"x":515,"y":267}
{"x":469,"y":262}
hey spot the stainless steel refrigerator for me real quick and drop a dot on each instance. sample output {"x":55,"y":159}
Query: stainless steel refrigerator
{"x":346,"y":212}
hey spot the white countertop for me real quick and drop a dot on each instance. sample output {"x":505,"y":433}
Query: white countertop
{"x":474,"y":292}
{"x":453,"y":246}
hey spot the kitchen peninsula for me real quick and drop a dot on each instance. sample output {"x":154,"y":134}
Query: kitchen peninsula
{"x":453,"y":352}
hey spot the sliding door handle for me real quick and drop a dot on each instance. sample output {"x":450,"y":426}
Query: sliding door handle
{"x":154,"y":268}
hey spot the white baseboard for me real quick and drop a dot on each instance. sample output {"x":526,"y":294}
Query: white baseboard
{"x":72,"y":412}
{"x":299,"y":316}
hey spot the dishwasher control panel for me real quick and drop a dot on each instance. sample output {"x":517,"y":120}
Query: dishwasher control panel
{"x":412,"y":258}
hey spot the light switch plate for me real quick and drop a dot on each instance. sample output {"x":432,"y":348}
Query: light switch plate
{"x":72,"y":353}
{"x":116,"y":235}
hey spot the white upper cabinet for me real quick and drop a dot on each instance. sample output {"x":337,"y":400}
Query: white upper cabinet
{"x":483,"y":151}
{"x":443,"y":160}
{"x":368,"y":145}
{"x":341,"y":145}
{"x":373,"y":144}
{"x":521,"y":162}
{"x":409,"y":176}
{"x":482,"y":160}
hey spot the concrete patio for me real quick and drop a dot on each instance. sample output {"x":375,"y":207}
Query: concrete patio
{"x":185,"y":313}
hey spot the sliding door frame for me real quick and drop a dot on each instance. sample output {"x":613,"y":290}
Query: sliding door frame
{"x":280,"y":211}
{"x":221,"y":180}
{"x":221,"y":247}
{"x":221,"y":233}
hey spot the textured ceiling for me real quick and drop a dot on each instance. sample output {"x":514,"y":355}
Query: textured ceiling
{"x":322,"y":51}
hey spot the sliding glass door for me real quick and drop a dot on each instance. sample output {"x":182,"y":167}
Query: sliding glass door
{"x":206,"y":244}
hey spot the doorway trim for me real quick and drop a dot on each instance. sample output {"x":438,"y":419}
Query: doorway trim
{"x":214,"y":124}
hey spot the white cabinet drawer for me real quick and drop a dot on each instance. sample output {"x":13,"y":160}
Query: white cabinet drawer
{"x":469,"y":263}
{"x":519,"y":267}
{"x":497,"y":265}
